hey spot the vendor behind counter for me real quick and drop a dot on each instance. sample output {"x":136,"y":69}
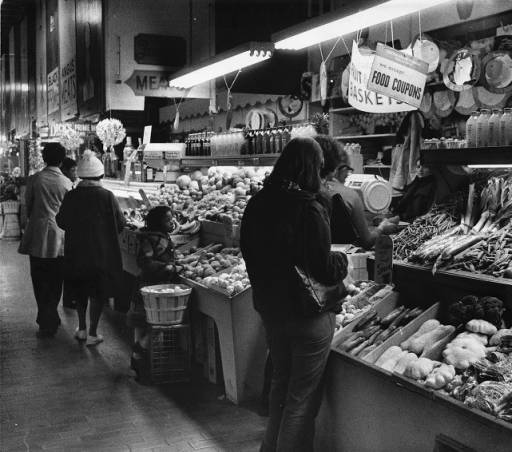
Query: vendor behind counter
{"x":348,"y":220}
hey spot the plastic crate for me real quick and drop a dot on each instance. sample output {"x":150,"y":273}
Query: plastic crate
{"x":163,"y":308}
{"x":169,"y":354}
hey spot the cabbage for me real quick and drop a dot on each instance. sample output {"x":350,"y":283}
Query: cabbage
{"x":183,"y":181}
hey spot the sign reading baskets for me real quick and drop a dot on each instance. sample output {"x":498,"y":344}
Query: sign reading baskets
{"x":398,"y":75}
{"x":362,"y":98}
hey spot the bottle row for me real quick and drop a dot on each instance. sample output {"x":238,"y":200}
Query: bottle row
{"x":486,"y":128}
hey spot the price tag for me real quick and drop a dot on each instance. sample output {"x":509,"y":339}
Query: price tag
{"x":383,"y":260}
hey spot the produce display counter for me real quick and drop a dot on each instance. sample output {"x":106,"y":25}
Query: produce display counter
{"x":241,"y":339}
{"x":241,"y":335}
{"x":367,"y":408}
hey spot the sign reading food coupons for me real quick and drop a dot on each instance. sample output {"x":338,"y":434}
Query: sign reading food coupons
{"x":359,"y":96}
{"x":398,"y":75}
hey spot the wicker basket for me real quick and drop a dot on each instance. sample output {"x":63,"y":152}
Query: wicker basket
{"x":11,"y":207}
{"x":163,"y":305}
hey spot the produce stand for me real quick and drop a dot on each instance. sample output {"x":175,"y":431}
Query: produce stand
{"x":241,"y":338}
{"x":366,"y":408}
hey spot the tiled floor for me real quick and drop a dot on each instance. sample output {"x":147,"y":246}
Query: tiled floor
{"x":57,"y":395}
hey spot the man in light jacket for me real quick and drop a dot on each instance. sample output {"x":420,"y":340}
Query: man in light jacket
{"x":43,"y":240}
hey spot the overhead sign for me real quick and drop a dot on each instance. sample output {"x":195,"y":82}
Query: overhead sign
{"x":359,"y":96}
{"x":156,"y":84}
{"x":53,"y":91}
{"x":397,"y":75}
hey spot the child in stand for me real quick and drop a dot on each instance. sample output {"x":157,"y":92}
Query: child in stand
{"x":156,"y":261}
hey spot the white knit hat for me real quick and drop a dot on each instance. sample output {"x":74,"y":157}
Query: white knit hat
{"x":90,"y":165}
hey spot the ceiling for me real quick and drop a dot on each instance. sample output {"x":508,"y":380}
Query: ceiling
{"x":11,"y":12}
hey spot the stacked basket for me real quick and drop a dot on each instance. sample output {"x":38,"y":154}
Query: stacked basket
{"x":165,"y":304}
{"x":169,"y":344}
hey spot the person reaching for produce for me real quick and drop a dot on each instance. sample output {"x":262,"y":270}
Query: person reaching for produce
{"x":92,"y":219}
{"x":156,"y":262}
{"x":348,"y":221}
{"x":283,"y":227}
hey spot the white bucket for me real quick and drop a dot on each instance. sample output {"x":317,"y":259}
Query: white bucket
{"x":375,"y":191}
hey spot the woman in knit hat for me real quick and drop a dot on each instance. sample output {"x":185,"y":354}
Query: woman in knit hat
{"x":92,"y":219}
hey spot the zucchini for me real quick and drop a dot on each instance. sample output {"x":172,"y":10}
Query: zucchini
{"x":392,"y":315}
{"x":355,"y":351}
{"x":365,"y":320}
{"x":398,"y":320}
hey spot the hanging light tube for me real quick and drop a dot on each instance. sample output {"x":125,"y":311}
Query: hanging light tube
{"x":385,"y":12}
{"x":491,"y":165}
{"x":224,"y":63}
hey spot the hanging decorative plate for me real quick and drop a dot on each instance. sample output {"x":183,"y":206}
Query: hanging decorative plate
{"x":426,"y":106}
{"x":497,"y":71}
{"x":425,"y":49}
{"x":290,"y":106}
{"x":463,"y":70}
{"x":487,"y":99}
{"x":467,"y":102}
{"x":443,"y":101}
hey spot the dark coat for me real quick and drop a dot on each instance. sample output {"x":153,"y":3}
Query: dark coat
{"x":282,"y":228}
{"x":156,"y":251}
{"x":92,"y":220}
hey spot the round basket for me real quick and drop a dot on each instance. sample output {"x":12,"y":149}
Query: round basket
{"x":165,"y":304}
{"x":10,"y":207}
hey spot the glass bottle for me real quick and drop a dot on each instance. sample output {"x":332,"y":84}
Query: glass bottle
{"x":482,"y":128}
{"x":471,"y":129}
{"x":494,"y":127}
{"x":506,"y":128}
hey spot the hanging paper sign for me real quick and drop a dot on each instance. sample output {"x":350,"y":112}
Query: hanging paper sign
{"x":68,"y":89}
{"x":398,"y":76}
{"x":362,"y":98}
{"x":383,"y":260}
{"x":176,"y":120}
{"x":147,"y":134}
{"x":53,"y":91}
{"x":323,"y":83}
{"x":156,"y":84}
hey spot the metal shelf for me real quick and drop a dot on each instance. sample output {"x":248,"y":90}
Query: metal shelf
{"x":365,"y":137}
{"x":343,"y":110}
{"x":493,"y":155}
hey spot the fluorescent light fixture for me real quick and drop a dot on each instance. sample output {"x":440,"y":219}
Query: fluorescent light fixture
{"x":491,"y":165}
{"x":224,"y":63}
{"x":331,"y":26}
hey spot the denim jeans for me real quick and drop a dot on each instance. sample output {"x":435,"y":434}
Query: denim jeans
{"x":299,"y":349}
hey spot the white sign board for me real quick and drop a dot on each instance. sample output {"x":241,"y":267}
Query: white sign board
{"x":147,"y":135}
{"x":362,"y":98}
{"x":398,"y":76}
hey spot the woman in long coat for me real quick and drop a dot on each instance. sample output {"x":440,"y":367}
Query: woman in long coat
{"x":92,"y":219}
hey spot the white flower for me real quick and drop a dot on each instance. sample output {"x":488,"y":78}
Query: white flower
{"x":110,"y":132}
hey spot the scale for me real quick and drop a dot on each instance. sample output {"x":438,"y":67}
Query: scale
{"x":375,"y":191}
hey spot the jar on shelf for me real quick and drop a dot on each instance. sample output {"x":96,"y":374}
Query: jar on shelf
{"x":494,"y":127}
{"x":482,"y":128}
{"x":506,"y":128}
{"x":471,"y":125}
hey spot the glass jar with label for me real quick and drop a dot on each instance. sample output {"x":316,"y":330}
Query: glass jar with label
{"x":482,"y":128}
{"x":494,"y":127}
{"x":506,"y":127}
{"x":471,"y":129}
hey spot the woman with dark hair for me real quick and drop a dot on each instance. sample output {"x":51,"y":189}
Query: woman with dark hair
{"x":285,"y":225}
{"x":156,"y":262}
{"x":92,"y":219}
{"x":348,"y":220}
{"x":43,"y":239}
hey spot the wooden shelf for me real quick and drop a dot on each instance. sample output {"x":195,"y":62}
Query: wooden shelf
{"x":365,"y":137}
{"x":343,"y":110}
{"x":233,"y":160}
{"x":377,"y":166}
{"x":493,"y":155}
